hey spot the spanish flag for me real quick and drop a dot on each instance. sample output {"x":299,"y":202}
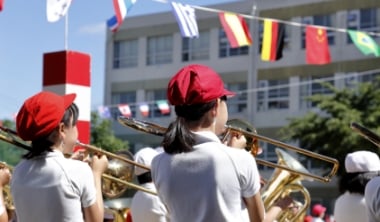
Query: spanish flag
{"x":273,"y":40}
{"x":236,"y":29}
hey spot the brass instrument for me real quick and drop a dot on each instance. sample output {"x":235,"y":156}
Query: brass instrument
{"x":116,"y":179}
{"x":7,"y":196}
{"x":366,"y":133}
{"x":283,"y":183}
{"x":159,"y":130}
{"x":119,"y":208}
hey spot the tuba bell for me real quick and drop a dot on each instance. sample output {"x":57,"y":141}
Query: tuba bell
{"x":283,"y":183}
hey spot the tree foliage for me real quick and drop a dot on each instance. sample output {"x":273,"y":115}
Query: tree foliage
{"x":9,"y":153}
{"x":102,"y":135}
{"x":328,"y":131}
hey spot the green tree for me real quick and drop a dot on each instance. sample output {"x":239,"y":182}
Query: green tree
{"x":102,"y":135}
{"x":328,"y":132}
{"x":10,"y":153}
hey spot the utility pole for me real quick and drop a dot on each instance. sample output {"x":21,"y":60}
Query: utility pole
{"x":252,"y":72}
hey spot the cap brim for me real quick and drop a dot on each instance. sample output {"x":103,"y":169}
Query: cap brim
{"x":228,"y":93}
{"x":69,"y":99}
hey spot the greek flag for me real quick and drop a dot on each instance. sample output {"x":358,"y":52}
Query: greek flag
{"x":185,"y":16}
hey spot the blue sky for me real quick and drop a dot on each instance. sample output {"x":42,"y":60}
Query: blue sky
{"x":25,"y":35}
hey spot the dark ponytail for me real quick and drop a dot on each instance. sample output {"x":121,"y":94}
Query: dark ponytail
{"x":178,"y":137}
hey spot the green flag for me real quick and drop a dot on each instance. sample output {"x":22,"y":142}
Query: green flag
{"x":364,"y":43}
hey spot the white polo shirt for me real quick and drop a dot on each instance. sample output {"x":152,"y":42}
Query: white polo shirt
{"x":52,"y":188}
{"x":372,"y":199}
{"x":208,"y":183}
{"x":146,"y":207}
{"x":350,"y":207}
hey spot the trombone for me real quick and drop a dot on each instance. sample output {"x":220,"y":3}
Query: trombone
{"x":159,"y":131}
{"x":122,"y":173}
{"x":366,"y":133}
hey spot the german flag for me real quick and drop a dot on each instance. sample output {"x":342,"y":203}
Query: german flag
{"x":273,"y":40}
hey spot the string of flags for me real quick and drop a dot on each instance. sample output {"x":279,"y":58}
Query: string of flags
{"x":126,"y":109}
{"x":238,"y":34}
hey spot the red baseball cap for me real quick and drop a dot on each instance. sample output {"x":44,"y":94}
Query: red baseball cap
{"x":194,"y":84}
{"x":41,"y":114}
{"x":318,"y":209}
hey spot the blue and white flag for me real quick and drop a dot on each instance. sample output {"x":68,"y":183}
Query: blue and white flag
{"x":185,"y":15}
{"x":121,"y":9}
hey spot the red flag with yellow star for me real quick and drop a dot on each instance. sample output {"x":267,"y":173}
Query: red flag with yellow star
{"x":317,"y":46}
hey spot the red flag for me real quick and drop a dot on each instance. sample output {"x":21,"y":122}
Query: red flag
{"x":125,"y":110}
{"x":236,"y":29}
{"x":1,"y":4}
{"x":317,"y":46}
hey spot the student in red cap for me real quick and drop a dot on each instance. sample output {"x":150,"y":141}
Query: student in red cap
{"x":45,"y":185}
{"x":318,"y":212}
{"x":198,"y":177}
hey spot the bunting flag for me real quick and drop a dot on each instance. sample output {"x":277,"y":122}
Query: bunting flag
{"x":185,"y":16}
{"x":121,"y":8}
{"x":236,"y":29}
{"x":56,"y":9}
{"x":104,"y":112}
{"x":144,"y":109}
{"x":125,"y":110}
{"x":163,"y":106}
{"x":364,"y":43}
{"x":1,"y":5}
{"x":273,"y":40}
{"x":317,"y":46}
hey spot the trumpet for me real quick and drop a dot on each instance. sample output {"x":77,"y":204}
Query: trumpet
{"x":117,"y":177}
{"x":253,"y":136}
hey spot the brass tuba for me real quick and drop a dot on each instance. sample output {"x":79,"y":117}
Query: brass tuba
{"x":283,"y":183}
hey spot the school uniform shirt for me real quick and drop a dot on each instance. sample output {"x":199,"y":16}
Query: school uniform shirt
{"x":146,"y":207}
{"x":208,"y":183}
{"x":372,"y":199}
{"x":52,"y":188}
{"x":350,"y":207}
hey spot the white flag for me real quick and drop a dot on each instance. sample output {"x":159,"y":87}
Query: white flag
{"x":185,"y":15}
{"x":55,"y":9}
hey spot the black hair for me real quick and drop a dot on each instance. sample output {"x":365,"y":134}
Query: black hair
{"x":355,"y":182}
{"x":44,"y":143}
{"x":178,"y":137}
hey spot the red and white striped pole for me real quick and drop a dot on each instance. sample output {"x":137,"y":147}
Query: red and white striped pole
{"x":69,"y":72}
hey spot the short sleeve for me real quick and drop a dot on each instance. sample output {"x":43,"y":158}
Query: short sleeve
{"x":249,"y":176}
{"x":88,"y":192}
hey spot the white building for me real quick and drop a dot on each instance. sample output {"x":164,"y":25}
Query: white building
{"x":147,"y":50}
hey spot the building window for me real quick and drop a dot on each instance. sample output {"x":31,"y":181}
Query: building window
{"x":153,"y":96}
{"x":160,"y":50}
{"x":321,"y":20}
{"x":125,"y":54}
{"x":123,"y":98}
{"x":273,"y":95}
{"x":363,"y":20}
{"x":312,"y":86}
{"x":225,"y":49}
{"x":196,"y":48}
{"x":238,"y":103}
